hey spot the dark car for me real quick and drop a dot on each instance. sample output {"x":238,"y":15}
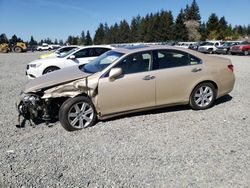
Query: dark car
{"x":224,"y":49}
{"x":197,"y":45}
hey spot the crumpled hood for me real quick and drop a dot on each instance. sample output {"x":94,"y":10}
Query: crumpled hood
{"x":55,"y":78}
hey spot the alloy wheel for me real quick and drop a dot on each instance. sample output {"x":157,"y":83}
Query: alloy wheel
{"x":203,"y":96}
{"x":80,"y":115}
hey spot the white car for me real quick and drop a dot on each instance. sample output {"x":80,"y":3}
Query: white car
{"x":210,"y":47}
{"x":185,"y":44}
{"x":44,"y":47}
{"x":59,"y":52}
{"x":77,"y":56}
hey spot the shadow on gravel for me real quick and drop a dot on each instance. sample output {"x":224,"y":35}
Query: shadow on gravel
{"x":223,"y":99}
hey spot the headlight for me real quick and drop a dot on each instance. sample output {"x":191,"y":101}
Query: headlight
{"x":35,"y":65}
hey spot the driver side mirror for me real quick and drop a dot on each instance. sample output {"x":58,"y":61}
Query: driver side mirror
{"x":72,"y":57}
{"x":114,"y":73}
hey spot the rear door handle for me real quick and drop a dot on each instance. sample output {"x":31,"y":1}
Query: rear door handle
{"x":197,"y":70}
{"x":148,"y":77}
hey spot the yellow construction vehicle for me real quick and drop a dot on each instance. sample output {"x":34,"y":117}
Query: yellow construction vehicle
{"x":4,"y":47}
{"x":18,"y":47}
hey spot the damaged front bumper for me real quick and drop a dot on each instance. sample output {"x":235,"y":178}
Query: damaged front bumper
{"x":31,"y":107}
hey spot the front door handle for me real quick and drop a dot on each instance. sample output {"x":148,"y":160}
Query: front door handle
{"x":197,"y":70}
{"x":148,"y":77}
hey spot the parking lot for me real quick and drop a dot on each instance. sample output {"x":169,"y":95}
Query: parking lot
{"x":173,"y":147}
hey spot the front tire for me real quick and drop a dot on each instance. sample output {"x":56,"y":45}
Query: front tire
{"x":210,"y":51}
{"x":50,"y":69}
{"x":18,"y":49}
{"x":203,"y":96}
{"x":77,"y":113}
{"x":246,"y":52}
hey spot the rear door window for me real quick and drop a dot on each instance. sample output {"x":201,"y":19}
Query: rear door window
{"x":82,"y":53}
{"x":170,"y":59}
{"x":173,"y":58}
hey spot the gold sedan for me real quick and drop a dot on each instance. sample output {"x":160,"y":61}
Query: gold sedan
{"x":127,"y":80}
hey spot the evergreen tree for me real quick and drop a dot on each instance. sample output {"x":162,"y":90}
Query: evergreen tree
{"x":212,"y":26}
{"x":55,"y":42}
{"x":180,"y":30}
{"x":88,"y":39}
{"x":41,"y":42}
{"x":75,"y":40}
{"x":222,"y":27}
{"x":124,"y":32}
{"x":135,"y":29}
{"x":186,"y":12}
{"x":48,"y":41}
{"x":248,"y":30}
{"x":239,"y":30}
{"x":106,"y":31}
{"x":99,"y":37}
{"x":3,"y":38}
{"x":82,"y":38}
{"x":193,"y":12}
{"x":212,"y":23}
{"x":61,"y":42}
{"x":114,"y":34}
{"x":14,"y":39}
{"x":145,"y":33}
{"x":32,"y":42}
{"x":167,"y":24}
{"x":203,"y":31}
{"x":69,"y":40}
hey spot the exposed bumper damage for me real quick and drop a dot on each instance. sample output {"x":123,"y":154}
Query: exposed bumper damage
{"x":44,"y":105}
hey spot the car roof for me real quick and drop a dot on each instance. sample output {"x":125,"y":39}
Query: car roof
{"x":141,"y":48}
{"x":96,"y":46}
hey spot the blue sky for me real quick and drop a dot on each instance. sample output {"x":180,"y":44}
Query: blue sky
{"x":60,"y":18}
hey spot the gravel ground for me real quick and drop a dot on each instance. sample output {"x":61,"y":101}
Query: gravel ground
{"x":172,"y":147}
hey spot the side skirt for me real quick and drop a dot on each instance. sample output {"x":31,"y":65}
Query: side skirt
{"x":108,"y":116}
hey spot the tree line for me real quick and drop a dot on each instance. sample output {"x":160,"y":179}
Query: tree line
{"x":155,"y":27}
{"x":14,"y":39}
{"x":162,"y":27}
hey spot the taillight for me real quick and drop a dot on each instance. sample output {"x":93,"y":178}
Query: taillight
{"x":230,"y":67}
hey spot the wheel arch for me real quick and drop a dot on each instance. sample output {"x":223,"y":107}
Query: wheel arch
{"x":52,"y":66}
{"x":201,"y":82}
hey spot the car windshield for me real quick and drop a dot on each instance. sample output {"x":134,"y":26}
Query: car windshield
{"x":101,"y":62}
{"x":68,"y":53}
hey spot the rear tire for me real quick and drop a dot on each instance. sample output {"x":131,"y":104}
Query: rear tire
{"x":50,"y":69}
{"x":77,"y":113}
{"x":203,"y":96}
